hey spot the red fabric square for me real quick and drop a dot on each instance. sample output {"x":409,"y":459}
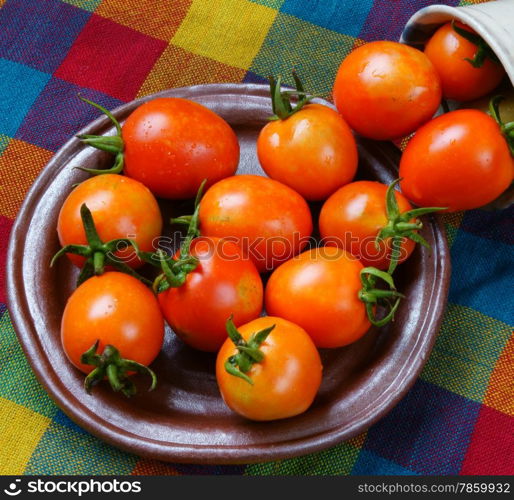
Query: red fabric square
{"x":5,"y":230}
{"x":110,"y":58}
{"x":491,"y":450}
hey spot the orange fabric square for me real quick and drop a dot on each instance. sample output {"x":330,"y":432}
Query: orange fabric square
{"x":500,"y":392}
{"x":152,"y":17}
{"x":20,"y":164}
{"x":179,"y":68}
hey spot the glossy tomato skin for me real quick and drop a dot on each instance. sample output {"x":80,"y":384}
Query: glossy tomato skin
{"x":460,"y":80}
{"x":313,"y":151}
{"x":223,"y":284}
{"x":115,"y":309}
{"x":270,"y":221}
{"x":173,"y":144}
{"x":121,"y":208}
{"x":285,"y":382}
{"x":318,"y":290}
{"x":459,"y":160}
{"x":386,"y":90}
{"x":352,"y":218}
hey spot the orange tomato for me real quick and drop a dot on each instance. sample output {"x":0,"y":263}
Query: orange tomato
{"x":312,"y":151}
{"x":285,"y":382}
{"x":386,"y":90}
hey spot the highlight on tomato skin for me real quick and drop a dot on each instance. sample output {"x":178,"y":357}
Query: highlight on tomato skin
{"x":453,"y":57}
{"x":386,"y":90}
{"x":459,"y":160}
{"x":283,"y":383}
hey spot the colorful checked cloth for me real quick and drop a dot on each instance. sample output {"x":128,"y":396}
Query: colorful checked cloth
{"x":459,"y":416}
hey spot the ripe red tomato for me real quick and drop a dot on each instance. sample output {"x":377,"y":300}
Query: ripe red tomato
{"x":172,"y":145}
{"x":222,"y":284}
{"x":268,"y":220}
{"x":312,"y":151}
{"x":459,"y":160}
{"x":121,"y":208}
{"x":318,"y":290}
{"x":115,"y":309}
{"x":354,"y":215}
{"x":284,"y":383}
{"x":386,"y":90}
{"x":460,"y":80}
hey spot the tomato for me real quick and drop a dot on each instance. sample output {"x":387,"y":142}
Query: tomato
{"x":283,"y":384}
{"x":353,"y":217}
{"x":222,"y":284}
{"x":121,"y":208}
{"x":172,"y":145}
{"x":269,"y":220}
{"x":459,"y":160}
{"x":460,"y":80}
{"x":318,"y":290}
{"x":312,"y":151}
{"x":114,"y":309}
{"x":386,"y":90}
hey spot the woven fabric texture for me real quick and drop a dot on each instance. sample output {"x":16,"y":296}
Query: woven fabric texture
{"x":459,"y":416}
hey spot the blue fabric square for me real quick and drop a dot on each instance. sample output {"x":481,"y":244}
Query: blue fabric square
{"x":341,"y":16}
{"x":370,"y":464}
{"x":39,"y":34}
{"x":482,"y":276}
{"x":19,"y":87}
{"x":428,"y":432}
{"x":252,"y":77}
{"x":62,"y":419}
{"x":3,"y":308}
{"x":491,"y":224}
{"x":58,"y":113}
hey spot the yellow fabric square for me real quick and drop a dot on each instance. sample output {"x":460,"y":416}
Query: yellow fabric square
{"x":20,"y":432}
{"x":228,"y":31}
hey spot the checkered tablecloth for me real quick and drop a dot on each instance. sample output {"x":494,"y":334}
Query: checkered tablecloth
{"x":459,"y":416}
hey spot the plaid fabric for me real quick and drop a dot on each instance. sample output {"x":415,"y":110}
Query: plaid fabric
{"x":459,"y":416}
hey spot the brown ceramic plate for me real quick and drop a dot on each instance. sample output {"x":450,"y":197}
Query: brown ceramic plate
{"x":184,"y":419}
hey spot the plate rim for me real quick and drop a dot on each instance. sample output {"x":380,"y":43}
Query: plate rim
{"x":195,"y":453}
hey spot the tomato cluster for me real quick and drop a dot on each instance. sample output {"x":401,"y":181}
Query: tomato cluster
{"x":328,"y":295}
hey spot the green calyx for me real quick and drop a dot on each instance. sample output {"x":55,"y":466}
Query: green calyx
{"x":372,"y":296}
{"x":281,"y":100}
{"x":506,"y":128}
{"x":110,"y":364}
{"x":248,"y":353}
{"x":110,"y":144}
{"x":97,"y":253}
{"x":483,"y":50}
{"x":175,"y":271}
{"x":400,"y":225}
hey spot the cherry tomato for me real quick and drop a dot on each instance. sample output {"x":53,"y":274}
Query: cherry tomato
{"x":172,"y":145}
{"x":312,"y":151}
{"x":283,"y":384}
{"x":121,"y":208}
{"x":386,"y":90}
{"x":318,"y":290}
{"x":460,"y":80}
{"x":222,"y":284}
{"x":114,"y":309}
{"x":354,"y":215}
{"x":269,"y":220}
{"x":459,"y":160}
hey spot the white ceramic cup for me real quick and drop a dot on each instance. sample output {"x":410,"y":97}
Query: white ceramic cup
{"x":493,"y":21}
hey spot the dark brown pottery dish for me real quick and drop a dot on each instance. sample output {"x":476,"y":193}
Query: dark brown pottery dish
{"x":184,"y":419}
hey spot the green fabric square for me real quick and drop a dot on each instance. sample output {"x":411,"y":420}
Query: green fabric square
{"x":4,"y":141}
{"x":314,"y":52}
{"x":68,"y":450}
{"x":89,"y":5}
{"x":274,"y":4}
{"x":338,"y":460}
{"x":17,"y":381}
{"x":466,"y":352}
